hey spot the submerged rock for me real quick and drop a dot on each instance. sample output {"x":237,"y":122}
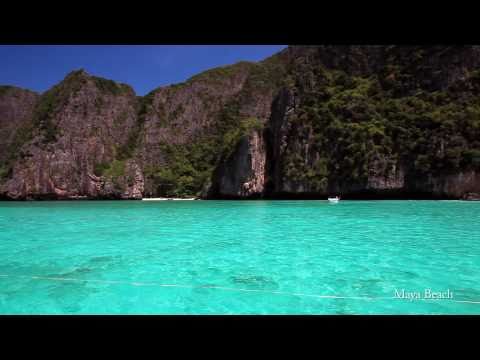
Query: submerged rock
{"x":256,"y":282}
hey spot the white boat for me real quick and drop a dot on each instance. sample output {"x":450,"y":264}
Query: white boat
{"x":335,"y":199}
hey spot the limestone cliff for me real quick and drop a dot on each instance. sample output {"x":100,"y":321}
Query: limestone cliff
{"x":361,"y":121}
{"x":376,"y":122}
{"x":70,"y":146}
{"x":242,"y":175}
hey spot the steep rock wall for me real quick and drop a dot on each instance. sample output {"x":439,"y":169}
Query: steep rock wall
{"x":76,"y":128}
{"x":242,"y":175}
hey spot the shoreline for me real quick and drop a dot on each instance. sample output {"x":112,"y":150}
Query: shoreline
{"x":235,"y":199}
{"x":169,"y":199}
{"x":363,"y":196}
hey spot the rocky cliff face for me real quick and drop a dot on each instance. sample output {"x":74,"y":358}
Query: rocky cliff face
{"x":71,"y":145}
{"x":16,"y":109}
{"x":372,"y":122}
{"x":362,"y":121}
{"x":242,"y":175}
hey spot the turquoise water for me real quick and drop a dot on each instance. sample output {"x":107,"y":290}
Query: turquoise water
{"x":238,"y":257}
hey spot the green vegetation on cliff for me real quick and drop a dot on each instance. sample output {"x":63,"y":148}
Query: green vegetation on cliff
{"x":53,"y":100}
{"x":49,"y":104}
{"x":221,"y":73}
{"x":186,"y":169}
{"x":110,"y":87}
{"x":396,"y":114}
{"x":114,"y":169}
{"x":42,"y":122}
{"x":189,"y":167}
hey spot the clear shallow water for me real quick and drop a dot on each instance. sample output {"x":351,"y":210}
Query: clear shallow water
{"x":238,"y":257}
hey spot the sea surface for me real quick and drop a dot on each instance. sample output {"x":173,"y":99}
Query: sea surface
{"x":239,"y":257}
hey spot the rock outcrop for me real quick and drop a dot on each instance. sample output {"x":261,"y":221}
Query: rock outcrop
{"x":242,"y":175}
{"x":471,"y":196}
{"x":76,"y":128}
{"x":361,"y":121}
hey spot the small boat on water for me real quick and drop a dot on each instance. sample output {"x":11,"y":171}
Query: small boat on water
{"x":335,"y":199}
